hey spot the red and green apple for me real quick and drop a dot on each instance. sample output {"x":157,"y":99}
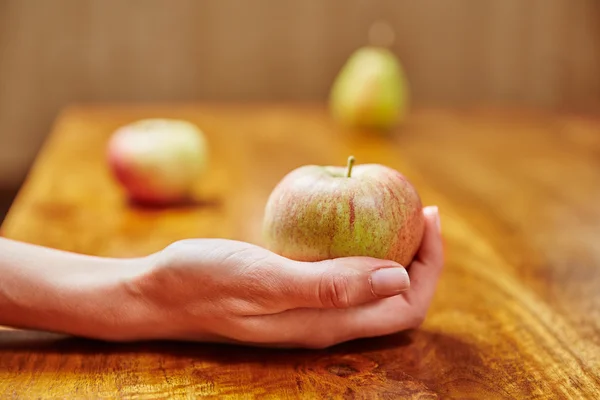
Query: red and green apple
{"x":158,"y":161}
{"x":324,"y":212}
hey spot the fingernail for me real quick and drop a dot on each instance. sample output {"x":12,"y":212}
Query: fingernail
{"x":435,"y":212}
{"x":389,"y":281}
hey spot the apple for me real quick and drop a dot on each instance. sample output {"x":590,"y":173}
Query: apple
{"x":158,"y":161}
{"x":324,"y":212}
{"x":370,"y":91}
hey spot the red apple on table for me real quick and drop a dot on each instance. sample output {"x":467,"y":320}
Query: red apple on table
{"x":158,"y":161}
{"x":324,"y":212}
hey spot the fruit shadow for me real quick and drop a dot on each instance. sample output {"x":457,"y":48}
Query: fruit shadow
{"x":186,"y":204}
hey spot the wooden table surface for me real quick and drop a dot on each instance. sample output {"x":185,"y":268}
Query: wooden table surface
{"x":516,"y":314}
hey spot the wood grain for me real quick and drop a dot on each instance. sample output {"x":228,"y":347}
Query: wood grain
{"x":536,"y":52}
{"x":517,"y":312}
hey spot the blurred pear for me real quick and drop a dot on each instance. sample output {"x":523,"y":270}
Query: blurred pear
{"x":370,"y":91}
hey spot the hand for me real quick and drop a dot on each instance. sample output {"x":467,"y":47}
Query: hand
{"x":228,"y":291}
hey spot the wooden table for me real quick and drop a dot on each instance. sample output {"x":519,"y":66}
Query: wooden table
{"x":516,"y":314}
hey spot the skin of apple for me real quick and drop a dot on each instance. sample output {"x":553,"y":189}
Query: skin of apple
{"x":317,"y":213}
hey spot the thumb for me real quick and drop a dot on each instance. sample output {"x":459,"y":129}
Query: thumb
{"x":342,"y":282}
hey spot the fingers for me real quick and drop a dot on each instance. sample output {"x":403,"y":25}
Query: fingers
{"x":431,"y":251}
{"x":341,"y":283}
{"x":319,"y":328}
{"x":332,"y":302}
{"x":385,"y":317}
{"x":348,"y":282}
{"x":397,"y":313}
{"x":427,"y":267}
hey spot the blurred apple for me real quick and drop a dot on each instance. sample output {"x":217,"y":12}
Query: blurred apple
{"x":158,"y":161}
{"x":370,"y":91}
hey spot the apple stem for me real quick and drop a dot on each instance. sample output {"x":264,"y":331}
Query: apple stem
{"x":350,"y":164}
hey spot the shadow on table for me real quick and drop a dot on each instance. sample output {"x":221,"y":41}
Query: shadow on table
{"x":411,"y":349}
{"x":42,"y":342}
{"x":421,"y":361}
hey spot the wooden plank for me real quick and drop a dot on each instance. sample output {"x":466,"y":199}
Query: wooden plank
{"x":516,"y":311}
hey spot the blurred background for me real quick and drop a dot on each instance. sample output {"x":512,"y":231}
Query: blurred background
{"x":461,"y":53}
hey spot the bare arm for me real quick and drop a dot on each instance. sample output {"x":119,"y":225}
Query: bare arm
{"x":47,"y":289}
{"x":217,"y":290}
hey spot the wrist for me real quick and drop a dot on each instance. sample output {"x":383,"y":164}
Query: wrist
{"x":63,"y":292}
{"x":112,"y":306}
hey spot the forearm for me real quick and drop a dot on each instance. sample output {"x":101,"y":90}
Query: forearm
{"x":51,"y":290}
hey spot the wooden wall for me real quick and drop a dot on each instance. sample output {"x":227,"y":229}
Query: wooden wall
{"x":54,"y":52}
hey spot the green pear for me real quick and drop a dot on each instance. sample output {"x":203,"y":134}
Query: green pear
{"x":370,"y":91}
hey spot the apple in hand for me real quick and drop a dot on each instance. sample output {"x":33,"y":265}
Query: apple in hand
{"x":323,"y":212}
{"x":158,"y":161}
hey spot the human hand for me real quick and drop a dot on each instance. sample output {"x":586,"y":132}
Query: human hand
{"x":228,"y":291}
